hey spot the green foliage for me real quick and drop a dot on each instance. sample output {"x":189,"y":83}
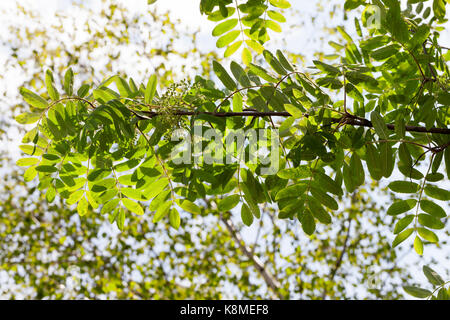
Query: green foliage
{"x":382,"y":108}
{"x":80,"y":132}
{"x":248,"y":20}
{"x":441,"y":290}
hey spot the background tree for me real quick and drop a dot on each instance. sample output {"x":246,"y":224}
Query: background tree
{"x":340,"y":245}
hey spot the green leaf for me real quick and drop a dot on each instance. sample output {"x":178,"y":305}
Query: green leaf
{"x":68,"y":82}
{"x":110,"y":206}
{"x":174,"y":218}
{"x":284,"y":62}
{"x":300,"y":172}
{"x":344,"y":34}
{"x":231,"y":49}
{"x":133,"y":206}
{"x":75,"y":197}
{"x":150,"y":90}
{"x":52,"y":92}
{"x":373,"y":162}
{"x":402,"y":236}
{"x":29,"y":174}
{"x":401,"y":206}
{"x":239,"y":74}
{"x":327,"y":183}
{"x":255,"y":46}
{"x":282,"y":4}
{"x":120,"y":218}
{"x":246,"y":215}
{"x":384,"y":52}
{"x":417,"y":292}
{"x":155,"y":188}
{"x":189,"y":206}
{"x":225,"y":26}
{"x":98,"y":174}
{"x":418,"y":245}
{"x":31,"y":150}
{"x":403,"y":223}
{"x":46,"y":169}
{"x":329,"y":69}
{"x":429,"y":221}
{"x":132,"y":193}
{"x":50,"y":194}
{"x":447,"y":161}
{"x":162,"y":211}
{"x":32,"y":136}
{"x":428,"y":235}
{"x":274,"y":15}
{"x":400,"y":128}
{"x":405,"y":156}
{"x":123,"y":87}
{"x":435,"y":177}
{"x":227,"y":38}
{"x":237,"y":102}
{"x":437,"y":193}
{"x":246,"y":56}
{"x":324,"y":199}
{"x":379,"y":125}
{"x":432,"y":276}
{"x":25,"y":162}
{"x":159,"y":200}
{"x":28,"y":117}
{"x":83,"y":90}
{"x":433,"y":209}
{"x":33,"y":99}
{"x":403,"y":186}
{"x":91,"y":200}
{"x":356,"y":170}
{"x":223,"y":75}
{"x":318,"y":211}
{"x":386,"y":157}
{"x":439,"y":8}
{"x":308,"y":223}
{"x":82,"y":207}
{"x":274,"y":63}
{"x":228,"y":203}
{"x":348,"y":178}
{"x":293,"y":191}
{"x":262,"y":73}
{"x":293,"y":111}
{"x":104,"y":95}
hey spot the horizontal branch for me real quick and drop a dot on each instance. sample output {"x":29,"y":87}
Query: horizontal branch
{"x":367,"y":123}
{"x":350,"y":120}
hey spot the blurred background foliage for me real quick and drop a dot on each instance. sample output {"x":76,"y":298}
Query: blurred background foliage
{"x":41,"y":243}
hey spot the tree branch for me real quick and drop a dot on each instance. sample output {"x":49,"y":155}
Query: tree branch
{"x":350,"y":120}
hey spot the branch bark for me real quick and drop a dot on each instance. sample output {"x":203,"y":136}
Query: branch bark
{"x":350,"y":120}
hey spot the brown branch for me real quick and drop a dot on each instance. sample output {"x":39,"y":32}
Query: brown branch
{"x":367,"y":123}
{"x":350,"y":120}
